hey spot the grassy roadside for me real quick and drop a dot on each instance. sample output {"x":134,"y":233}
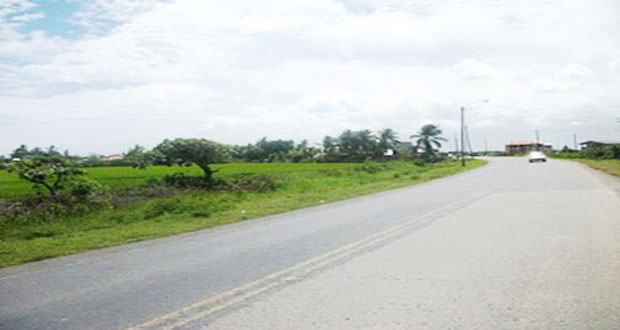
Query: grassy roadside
{"x":193,"y":210}
{"x":609,"y":166}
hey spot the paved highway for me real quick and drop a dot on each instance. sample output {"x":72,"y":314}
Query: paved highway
{"x":511,"y":245}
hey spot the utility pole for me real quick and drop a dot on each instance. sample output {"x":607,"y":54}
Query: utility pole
{"x":537,"y":141}
{"x":471,"y":150}
{"x":575,"y":142}
{"x":463,"y":131}
{"x":486,"y":149}
{"x":462,"y":136}
{"x":456,"y":145}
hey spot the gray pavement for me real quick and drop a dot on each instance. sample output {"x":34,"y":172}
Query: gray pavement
{"x":511,"y":245}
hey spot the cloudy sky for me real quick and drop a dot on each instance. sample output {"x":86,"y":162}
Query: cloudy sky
{"x":100,"y":76}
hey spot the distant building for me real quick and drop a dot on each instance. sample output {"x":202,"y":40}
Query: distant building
{"x":526,"y":146}
{"x":111,"y":158}
{"x":594,"y":145}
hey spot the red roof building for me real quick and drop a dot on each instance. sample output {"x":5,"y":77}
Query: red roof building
{"x":517,"y":147}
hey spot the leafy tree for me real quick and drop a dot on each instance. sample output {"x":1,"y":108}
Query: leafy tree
{"x":388,"y":139}
{"x":611,"y":151}
{"x":302,"y":153}
{"x":406,"y":150}
{"x":52,"y":152}
{"x":267,"y":151}
{"x":330,"y":149}
{"x":20,"y":153}
{"x":23,"y":152}
{"x":201,"y":152}
{"x":329,"y":142}
{"x":274,"y":150}
{"x":428,"y":137}
{"x":358,"y":145}
{"x":50,"y":172}
{"x":91,"y":161}
{"x":139,"y":157}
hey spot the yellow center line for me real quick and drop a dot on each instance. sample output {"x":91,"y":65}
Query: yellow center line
{"x":218,"y":302}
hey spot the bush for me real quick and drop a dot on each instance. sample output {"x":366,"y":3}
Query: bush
{"x":606,"y":152}
{"x":611,"y":152}
{"x":244,"y":182}
{"x":371,"y":167}
{"x":164,"y":206}
{"x":181,"y":180}
{"x":45,"y":208}
{"x":248,"y":183}
{"x":51,"y":174}
{"x":84,"y":188}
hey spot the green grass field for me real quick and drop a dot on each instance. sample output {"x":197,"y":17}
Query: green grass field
{"x":12,"y":187}
{"x":301,"y":185}
{"x":609,"y":166}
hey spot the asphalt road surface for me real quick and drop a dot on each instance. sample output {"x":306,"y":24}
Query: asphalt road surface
{"x":510,"y":245}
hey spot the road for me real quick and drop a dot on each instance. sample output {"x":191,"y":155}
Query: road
{"x":510,"y":245}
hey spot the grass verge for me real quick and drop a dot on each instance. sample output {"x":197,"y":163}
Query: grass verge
{"x":609,"y":166}
{"x":193,"y":210}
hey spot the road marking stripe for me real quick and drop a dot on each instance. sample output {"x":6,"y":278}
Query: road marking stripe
{"x":218,"y":302}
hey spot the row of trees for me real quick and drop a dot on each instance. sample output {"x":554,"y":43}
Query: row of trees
{"x":275,"y":151}
{"x":355,"y":146}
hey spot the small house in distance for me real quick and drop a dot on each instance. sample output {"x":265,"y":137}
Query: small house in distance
{"x":518,"y":147}
{"x":596,"y":145}
{"x":111,"y":158}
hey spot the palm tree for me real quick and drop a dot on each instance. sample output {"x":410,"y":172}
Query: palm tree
{"x":428,"y":136}
{"x":388,"y":139}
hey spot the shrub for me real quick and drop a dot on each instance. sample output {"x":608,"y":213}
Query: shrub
{"x":50,"y":173}
{"x":84,"y":188}
{"x":164,"y":206}
{"x":250,"y":183}
{"x":181,"y":180}
{"x":605,"y":152}
{"x":370,"y":166}
{"x":239,"y":183}
{"x":45,"y":208}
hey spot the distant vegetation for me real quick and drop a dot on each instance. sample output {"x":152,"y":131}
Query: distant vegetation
{"x":606,"y":152}
{"x":605,"y":158}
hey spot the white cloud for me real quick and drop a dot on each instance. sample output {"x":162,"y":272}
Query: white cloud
{"x":238,"y":70}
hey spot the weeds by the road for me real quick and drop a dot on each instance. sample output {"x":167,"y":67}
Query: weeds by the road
{"x":191,"y":209}
{"x":609,"y":166}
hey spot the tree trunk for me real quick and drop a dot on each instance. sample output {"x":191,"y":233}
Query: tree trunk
{"x":208,"y":172}
{"x":51,"y":190}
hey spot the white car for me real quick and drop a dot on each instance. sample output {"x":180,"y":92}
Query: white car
{"x":536,"y":156}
